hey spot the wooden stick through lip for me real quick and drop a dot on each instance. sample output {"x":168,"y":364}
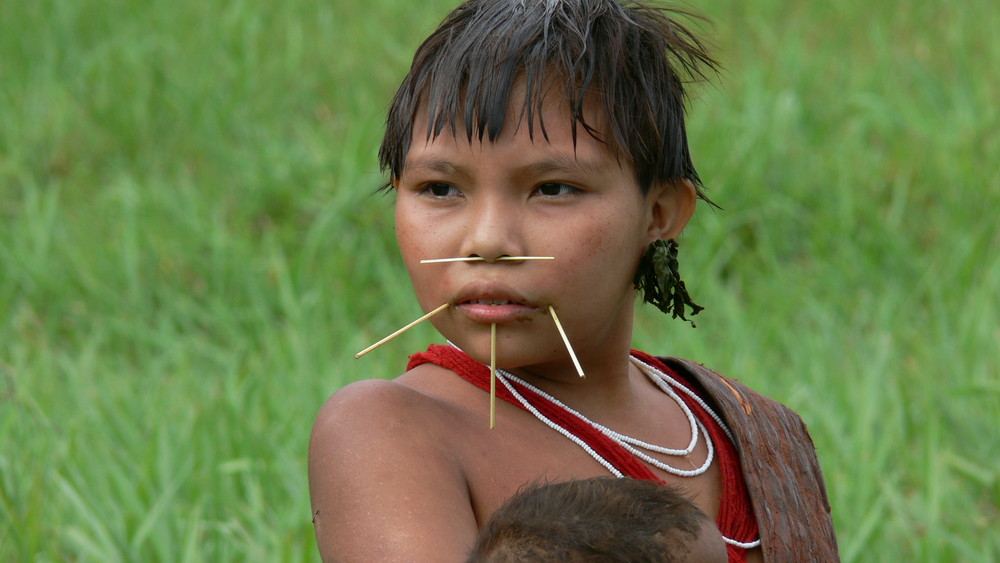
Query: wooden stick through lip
{"x":493,"y":376}
{"x":402,"y":330}
{"x":569,"y":347}
{"x":481,"y":259}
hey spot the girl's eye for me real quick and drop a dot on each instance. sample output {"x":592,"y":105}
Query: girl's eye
{"x":440,"y":190}
{"x":555,"y":189}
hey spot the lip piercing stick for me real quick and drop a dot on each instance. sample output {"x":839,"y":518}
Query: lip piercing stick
{"x":493,"y":329}
{"x":444,"y":306}
{"x":401,"y":331}
{"x":569,"y":347}
{"x":493,"y":376}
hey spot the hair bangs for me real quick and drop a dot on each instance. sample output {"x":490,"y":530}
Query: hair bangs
{"x":632,"y":58}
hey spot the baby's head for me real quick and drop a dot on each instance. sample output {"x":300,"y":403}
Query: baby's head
{"x":600,"y":519}
{"x":489,"y":58}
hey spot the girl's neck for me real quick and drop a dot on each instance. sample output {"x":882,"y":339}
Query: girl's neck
{"x":609,"y":385}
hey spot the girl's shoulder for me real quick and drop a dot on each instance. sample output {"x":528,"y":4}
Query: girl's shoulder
{"x":402,"y":406}
{"x":377,"y":461}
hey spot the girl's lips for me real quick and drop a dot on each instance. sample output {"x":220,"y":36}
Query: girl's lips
{"x":487,"y":303}
{"x":491,"y":310}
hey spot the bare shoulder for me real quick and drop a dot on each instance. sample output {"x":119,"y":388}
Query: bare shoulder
{"x":412,"y":407}
{"x":384,"y":483}
{"x":372,"y":415}
{"x":368,"y":399}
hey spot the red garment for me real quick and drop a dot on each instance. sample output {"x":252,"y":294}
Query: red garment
{"x":735,"y":519}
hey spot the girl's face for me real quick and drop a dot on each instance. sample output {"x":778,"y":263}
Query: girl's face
{"x":522,"y":197}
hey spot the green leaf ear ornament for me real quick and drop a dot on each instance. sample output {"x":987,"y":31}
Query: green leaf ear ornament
{"x":659,"y":280}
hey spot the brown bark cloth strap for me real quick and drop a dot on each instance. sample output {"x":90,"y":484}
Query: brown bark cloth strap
{"x":780,"y":467}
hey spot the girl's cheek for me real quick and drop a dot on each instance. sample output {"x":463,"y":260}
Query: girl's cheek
{"x":445,"y":282}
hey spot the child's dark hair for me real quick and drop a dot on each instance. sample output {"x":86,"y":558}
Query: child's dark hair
{"x":598,"y":519}
{"x":633,"y":58}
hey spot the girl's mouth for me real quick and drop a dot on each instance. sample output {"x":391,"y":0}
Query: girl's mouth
{"x":489,"y":301}
{"x":495,"y":310}
{"x":493,"y":303}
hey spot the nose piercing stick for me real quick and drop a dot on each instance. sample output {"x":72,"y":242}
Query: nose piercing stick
{"x":480,"y":259}
{"x":569,"y":347}
{"x":493,"y":376}
{"x":401,"y":331}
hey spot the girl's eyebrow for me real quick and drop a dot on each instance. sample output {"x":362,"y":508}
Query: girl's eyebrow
{"x":430,"y":165}
{"x":541,"y":167}
{"x":552,"y":164}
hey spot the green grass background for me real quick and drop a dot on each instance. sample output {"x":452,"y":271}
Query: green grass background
{"x":190,"y":253}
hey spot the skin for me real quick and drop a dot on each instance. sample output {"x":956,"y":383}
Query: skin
{"x":407,"y":470}
{"x":708,"y":547}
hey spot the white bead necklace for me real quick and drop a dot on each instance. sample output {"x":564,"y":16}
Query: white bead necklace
{"x":664,"y":381}
{"x":667,"y":385}
{"x":633,"y":445}
{"x":502,"y":378}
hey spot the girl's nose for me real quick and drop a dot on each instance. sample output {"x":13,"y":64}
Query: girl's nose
{"x":493,"y":231}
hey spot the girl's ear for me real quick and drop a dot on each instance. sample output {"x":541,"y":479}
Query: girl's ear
{"x":673,"y":205}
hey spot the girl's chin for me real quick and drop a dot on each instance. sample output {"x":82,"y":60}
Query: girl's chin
{"x":511,"y":354}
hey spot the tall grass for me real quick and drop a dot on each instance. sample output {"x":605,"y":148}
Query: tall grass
{"x":190,"y":252}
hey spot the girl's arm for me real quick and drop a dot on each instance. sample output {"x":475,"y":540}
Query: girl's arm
{"x":384,"y":486}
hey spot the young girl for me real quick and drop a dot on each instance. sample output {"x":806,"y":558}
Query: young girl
{"x":538,"y":148}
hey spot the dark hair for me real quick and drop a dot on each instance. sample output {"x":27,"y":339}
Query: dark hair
{"x":597,"y":519}
{"x":632,"y":57}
